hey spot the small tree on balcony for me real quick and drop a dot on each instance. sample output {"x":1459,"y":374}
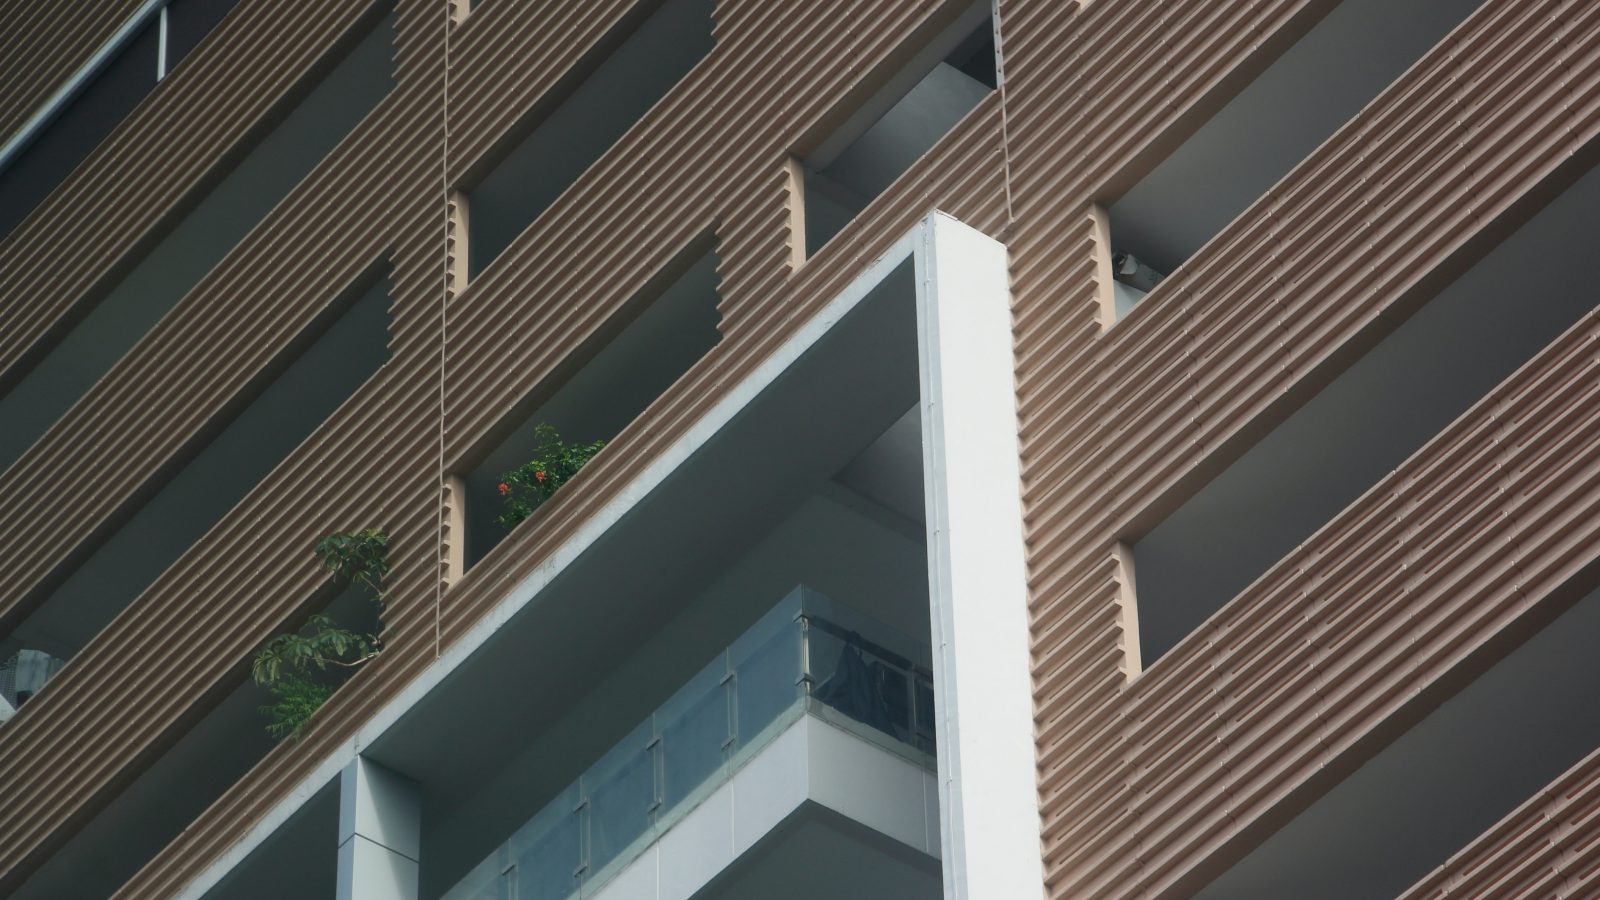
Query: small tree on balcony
{"x":301,"y":669}
{"x":553,"y":464}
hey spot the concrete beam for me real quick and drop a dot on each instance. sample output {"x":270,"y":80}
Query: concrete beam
{"x":380,"y":833}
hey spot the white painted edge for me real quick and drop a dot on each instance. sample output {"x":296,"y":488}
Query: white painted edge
{"x":663,"y":465}
{"x":64,"y":95}
{"x":977,"y":577}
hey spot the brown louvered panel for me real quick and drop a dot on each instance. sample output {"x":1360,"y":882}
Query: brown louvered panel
{"x":1165,"y":419}
{"x":1549,"y":847}
{"x":506,"y":56}
{"x":295,"y":265}
{"x":1371,"y":647}
{"x":1101,"y":438}
{"x":490,"y":310}
{"x":1144,"y":785}
{"x":77,"y":240}
{"x":289,"y":267}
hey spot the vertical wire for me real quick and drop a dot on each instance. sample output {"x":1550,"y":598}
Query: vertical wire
{"x":1005,"y":119}
{"x":444,"y":330}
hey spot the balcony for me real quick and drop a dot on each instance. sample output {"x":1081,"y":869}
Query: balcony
{"x":1228,"y":162}
{"x":812,"y":694}
{"x":583,"y":698}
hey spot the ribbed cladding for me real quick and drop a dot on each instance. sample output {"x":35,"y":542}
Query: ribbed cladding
{"x":76,"y":242}
{"x":530,"y":47}
{"x":1458,"y":544}
{"x":374,"y":463}
{"x":1181,"y":382}
{"x":249,"y":576}
{"x":1548,"y":847}
{"x":653,"y":182}
{"x":961,"y":174}
{"x":39,"y":53}
{"x":291,"y":266}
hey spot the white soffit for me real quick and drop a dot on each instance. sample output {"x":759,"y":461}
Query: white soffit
{"x":977,"y":587}
{"x":963,"y":315}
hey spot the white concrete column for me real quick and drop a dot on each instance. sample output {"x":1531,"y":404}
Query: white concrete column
{"x":380,"y":833}
{"x":977,"y":578}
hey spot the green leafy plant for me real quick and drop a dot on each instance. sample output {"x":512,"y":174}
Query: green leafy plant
{"x":359,"y":557}
{"x":553,"y":464}
{"x":301,"y":669}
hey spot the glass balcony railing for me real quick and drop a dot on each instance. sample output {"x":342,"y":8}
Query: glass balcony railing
{"x":807,"y":655}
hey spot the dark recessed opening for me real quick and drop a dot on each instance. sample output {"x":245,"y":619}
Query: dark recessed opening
{"x":85,"y":120}
{"x":1296,"y":104}
{"x":881,"y":139}
{"x":653,"y":343}
{"x":651,"y":55}
{"x":331,"y":362}
{"x":196,"y":243}
{"x":1476,"y":332}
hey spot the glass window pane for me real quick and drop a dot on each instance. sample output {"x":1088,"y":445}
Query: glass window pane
{"x":925,"y":734}
{"x":546,"y":852}
{"x":894,"y":694}
{"x":545,"y":869}
{"x":856,"y":681}
{"x":767,"y":680}
{"x":621,"y":793}
{"x":694,"y":733}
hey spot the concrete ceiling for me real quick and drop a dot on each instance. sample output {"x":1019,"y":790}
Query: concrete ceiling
{"x":889,"y":471}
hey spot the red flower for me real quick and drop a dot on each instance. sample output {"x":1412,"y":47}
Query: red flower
{"x":505,"y":488}
{"x":539,"y":477}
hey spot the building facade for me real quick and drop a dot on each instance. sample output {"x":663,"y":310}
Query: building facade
{"x":1051,"y":448}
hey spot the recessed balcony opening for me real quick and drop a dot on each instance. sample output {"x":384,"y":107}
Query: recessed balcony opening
{"x":184,"y":780}
{"x":880,"y":139}
{"x":127,"y":74}
{"x":766,"y":605}
{"x":631,"y":69}
{"x":333,"y":359}
{"x":609,"y":380}
{"x":1422,"y":376}
{"x":197,"y":242}
{"x":735,"y":649}
{"x":1291,"y":108}
{"x":1452,"y":776}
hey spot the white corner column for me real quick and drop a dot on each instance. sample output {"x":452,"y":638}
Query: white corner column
{"x":988,"y":795}
{"x":380,"y":833}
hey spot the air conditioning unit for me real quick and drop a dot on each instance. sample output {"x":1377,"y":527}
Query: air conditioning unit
{"x":1126,"y":268}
